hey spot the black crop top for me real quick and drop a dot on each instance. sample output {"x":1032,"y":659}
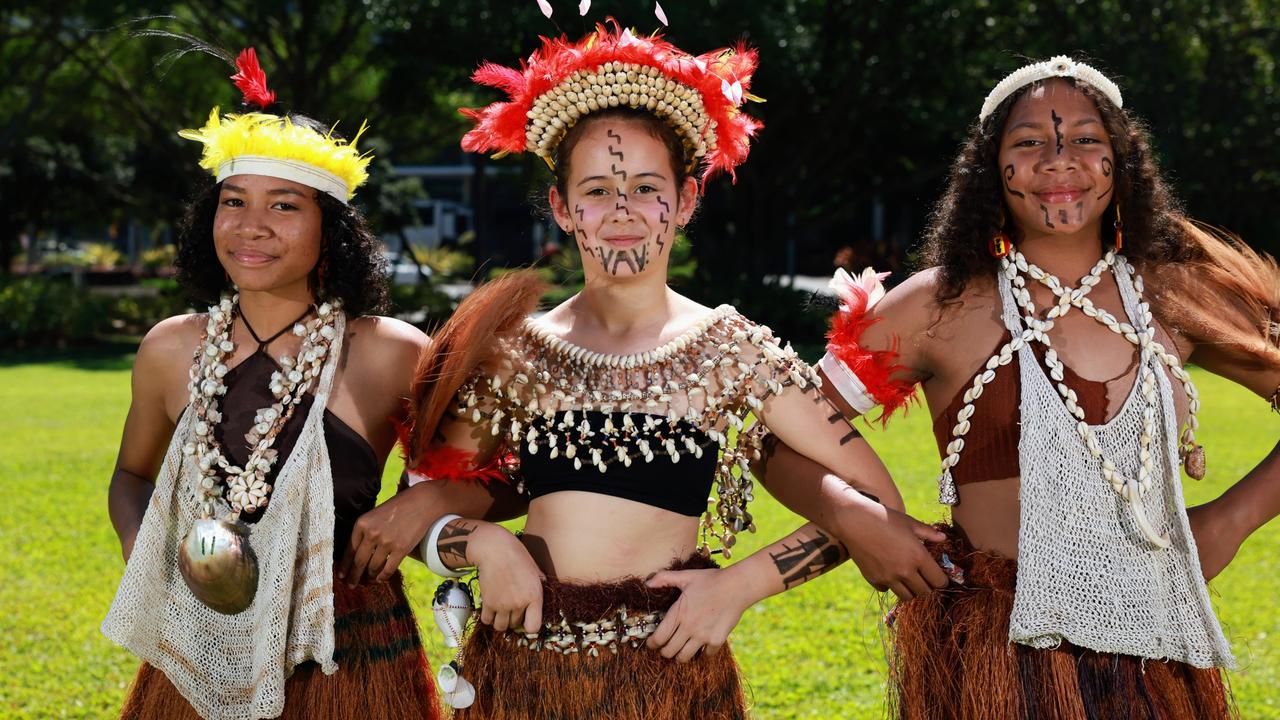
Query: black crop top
{"x":356,"y":480}
{"x":680,"y":487}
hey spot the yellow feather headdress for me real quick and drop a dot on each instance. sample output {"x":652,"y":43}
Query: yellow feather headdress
{"x":256,"y":143}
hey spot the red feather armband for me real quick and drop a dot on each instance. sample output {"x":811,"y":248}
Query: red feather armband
{"x":863,"y":377}
{"x":445,"y":462}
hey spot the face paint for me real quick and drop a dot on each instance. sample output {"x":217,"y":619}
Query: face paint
{"x":1057,"y":128}
{"x":1107,"y":169}
{"x":1056,"y":162}
{"x":620,"y":189}
{"x":1008,"y":175}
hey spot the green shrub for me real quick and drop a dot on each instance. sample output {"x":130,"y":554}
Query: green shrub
{"x":38,"y":311}
{"x":102,"y":255}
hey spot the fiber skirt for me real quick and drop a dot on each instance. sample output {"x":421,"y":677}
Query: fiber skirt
{"x":382,"y":671}
{"x":590,"y":662}
{"x":951,"y":659}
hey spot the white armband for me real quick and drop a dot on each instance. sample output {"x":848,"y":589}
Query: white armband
{"x":431,"y":554}
{"x":847,"y":384}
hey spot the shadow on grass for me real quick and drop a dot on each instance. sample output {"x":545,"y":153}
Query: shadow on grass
{"x":112,"y":354}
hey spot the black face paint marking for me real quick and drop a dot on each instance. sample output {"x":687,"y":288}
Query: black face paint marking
{"x":621,"y":194}
{"x":1008,"y":175}
{"x":1057,"y":128}
{"x":606,"y":258}
{"x":1080,"y":211}
{"x":666,"y":222}
{"x":581,"y":219}
{"x":616,"y":152}
{"x":616,"y":171}
{"x":641,"y":257}
{"x":623,"y":208}
{"x":1062,"y":217}
{"x":621,"y":257}
{"x":1047,"y":221}
{"x":1107,"y":169}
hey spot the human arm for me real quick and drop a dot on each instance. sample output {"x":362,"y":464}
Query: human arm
{"x":149,"y":425}
{"x":712,"y":601}
{"x":1222,"y":525}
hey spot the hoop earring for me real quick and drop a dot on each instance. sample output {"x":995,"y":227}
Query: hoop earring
{"x":1119,"y":243}
{"x":1000,"y":245}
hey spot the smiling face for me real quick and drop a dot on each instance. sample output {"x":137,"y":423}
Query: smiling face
{"x":267,"y":231}
{"x":1056,"y":161}
{"x":622,"y":201}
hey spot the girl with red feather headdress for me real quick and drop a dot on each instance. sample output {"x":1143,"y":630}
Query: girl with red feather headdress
{"x":273,"y":407}
{"x":616,"y":414}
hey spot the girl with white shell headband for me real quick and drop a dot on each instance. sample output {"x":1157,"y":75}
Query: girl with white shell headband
{"x":1065,"y":293}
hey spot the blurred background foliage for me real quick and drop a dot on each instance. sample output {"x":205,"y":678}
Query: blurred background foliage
{"x":868,"y":102}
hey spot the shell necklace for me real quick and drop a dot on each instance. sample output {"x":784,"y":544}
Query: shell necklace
{"x":215,"y":559}
{"x":1015,"y":267}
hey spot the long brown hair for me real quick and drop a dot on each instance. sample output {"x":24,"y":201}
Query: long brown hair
{"x":1213,"y":288}
{"x":464,"y":343}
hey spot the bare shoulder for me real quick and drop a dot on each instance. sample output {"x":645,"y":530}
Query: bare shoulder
{"x":170,"y":343}
{"x":381,"y":343}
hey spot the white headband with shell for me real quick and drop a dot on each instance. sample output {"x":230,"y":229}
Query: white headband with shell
{"x":1059,"y":66}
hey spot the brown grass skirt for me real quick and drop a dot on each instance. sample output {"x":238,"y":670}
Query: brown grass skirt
{"x":951,"y":659}
{"x":514,"y":682}
{"x":382,"y":671}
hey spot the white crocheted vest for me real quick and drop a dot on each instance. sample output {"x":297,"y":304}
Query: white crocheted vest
{"x":1086,"y":574}
{"x":234,"y":667}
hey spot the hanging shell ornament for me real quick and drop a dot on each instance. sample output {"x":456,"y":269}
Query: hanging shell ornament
{"x":1194,"y":463}
{"x":458,"y":693}
{"x":452,"y":606}
{"x":218,"y":565}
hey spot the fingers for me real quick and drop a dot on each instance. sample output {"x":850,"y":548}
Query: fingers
{"x":710,"y":649}
{"x":348,"y":556}
{"x":918,"y":585}
{"x":934,"y":574}
{"x":390,"y":566}
{"x":901,"y":591}
{"x":361,"y":561}
{"x":667,"y":578}
{"x":533,"y":615}
{"x":487,"y":613}
{"x":925,"y":532}
{"x":675,"y":645}
{"x":502,"y":620}
{"x":689,"y":650}
{"x":377,"y":561}
{"x":666,"y":628}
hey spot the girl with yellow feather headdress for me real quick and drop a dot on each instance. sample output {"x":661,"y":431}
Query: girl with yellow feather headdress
{"x":256,"y":436}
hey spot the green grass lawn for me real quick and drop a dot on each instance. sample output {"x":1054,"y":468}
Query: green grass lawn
{"x":814,"y":652}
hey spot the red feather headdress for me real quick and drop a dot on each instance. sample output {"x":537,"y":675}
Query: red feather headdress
{"x":563,"y":81}
{"x":252,"y":80}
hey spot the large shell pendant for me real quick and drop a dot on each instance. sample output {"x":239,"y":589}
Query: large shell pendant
{"x":218,"y":565}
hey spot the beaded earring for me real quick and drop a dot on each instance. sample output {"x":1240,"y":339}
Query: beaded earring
{"x":1119,"y":229}
{"x":1000,"y":244}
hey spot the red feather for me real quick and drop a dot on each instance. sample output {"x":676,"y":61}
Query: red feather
{"x":251,"y":80}
{"x":874,"y":368}
{"x":501,"y":126}
{"x":449,"y":463}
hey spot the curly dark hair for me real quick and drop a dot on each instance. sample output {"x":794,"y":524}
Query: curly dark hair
{"x":356,"y":271}
{"x":970,"y":211}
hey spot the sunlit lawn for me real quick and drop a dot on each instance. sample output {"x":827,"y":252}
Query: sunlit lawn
{"x":812,"y":653}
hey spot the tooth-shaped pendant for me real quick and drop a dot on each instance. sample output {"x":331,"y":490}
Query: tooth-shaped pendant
{"x":452,"y":606}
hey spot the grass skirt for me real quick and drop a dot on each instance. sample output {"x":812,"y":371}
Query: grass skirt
{"x":382,"y":671}
{"x":951,"y":659}
{"x":515,"y":682}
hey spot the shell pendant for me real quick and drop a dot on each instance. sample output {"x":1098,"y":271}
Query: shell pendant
{"x":218,"y":564}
